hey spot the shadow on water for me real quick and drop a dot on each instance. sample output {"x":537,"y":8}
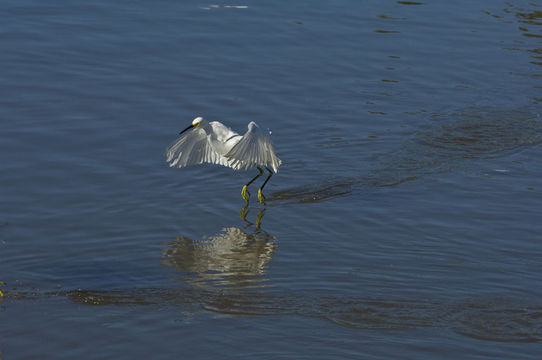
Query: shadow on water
{"x":450,"y":142}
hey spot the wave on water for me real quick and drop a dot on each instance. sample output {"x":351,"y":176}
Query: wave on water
{"x":450,"y":142}
{"x":495,"y":319}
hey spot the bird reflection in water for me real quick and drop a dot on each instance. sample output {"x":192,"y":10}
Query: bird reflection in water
{"x":244,"y":214}
{"x":234,"y":257}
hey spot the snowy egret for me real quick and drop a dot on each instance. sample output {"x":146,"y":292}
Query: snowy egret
{"x":214,"y":143}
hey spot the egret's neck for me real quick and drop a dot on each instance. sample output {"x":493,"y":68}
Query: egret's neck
{"x":205,"y":126}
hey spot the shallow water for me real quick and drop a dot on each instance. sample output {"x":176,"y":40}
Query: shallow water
{"x":403,"y":223}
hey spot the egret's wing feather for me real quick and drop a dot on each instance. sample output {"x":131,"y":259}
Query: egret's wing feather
{"x":193,"y":148}
{"x":254,"y":149}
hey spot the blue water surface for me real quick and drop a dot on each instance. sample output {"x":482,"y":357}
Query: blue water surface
{"x":404,"y":221}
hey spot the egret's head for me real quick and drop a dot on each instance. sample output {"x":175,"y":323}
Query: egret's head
{"x":195,"y":123}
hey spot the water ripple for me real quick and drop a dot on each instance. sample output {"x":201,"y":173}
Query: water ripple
{"x":490,"y":318}
{"x":448,"y":143}
{"x":234,"y":258}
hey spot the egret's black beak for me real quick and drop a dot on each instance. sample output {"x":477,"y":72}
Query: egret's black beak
{"x":188,"y":128}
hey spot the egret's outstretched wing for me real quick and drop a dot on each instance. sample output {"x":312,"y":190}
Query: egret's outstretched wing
{"x":193,"y":148}
{"x":254,"y":149}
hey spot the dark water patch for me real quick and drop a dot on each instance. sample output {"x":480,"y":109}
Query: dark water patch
{"x":388,"y":17}
{"x":332,"y":189}
{"x":381,"y":31}
{"x":409,"y":3}
{"x":532,"y":18}
{"x":317,"y":192}
{"x":96,"y":298}
{"x":491,"y":319}
{"x":498,"y":320}
{"x":449,"y":142}
{"x":536,"y":36}
{"x":482,"y":132}
{"x":253,"y":304}
{"x":381,"y":314}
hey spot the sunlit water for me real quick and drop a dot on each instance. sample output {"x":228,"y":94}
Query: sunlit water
{"x":405,"y":221}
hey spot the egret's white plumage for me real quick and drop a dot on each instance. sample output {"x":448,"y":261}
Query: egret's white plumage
{"x":215,"y":143}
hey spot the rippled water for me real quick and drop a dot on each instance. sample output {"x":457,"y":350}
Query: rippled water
{"x":403,"y":223}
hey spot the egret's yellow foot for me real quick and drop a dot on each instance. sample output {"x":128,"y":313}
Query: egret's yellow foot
{"x":244,"y":193}
{"x":1,"y":293}
{"x":261,"y":197}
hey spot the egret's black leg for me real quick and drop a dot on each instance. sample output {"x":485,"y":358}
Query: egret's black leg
{"x":244,"y":192}
{"x":260,"y":193}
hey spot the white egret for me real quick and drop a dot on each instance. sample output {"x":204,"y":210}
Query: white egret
{"x":215,"y":143}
